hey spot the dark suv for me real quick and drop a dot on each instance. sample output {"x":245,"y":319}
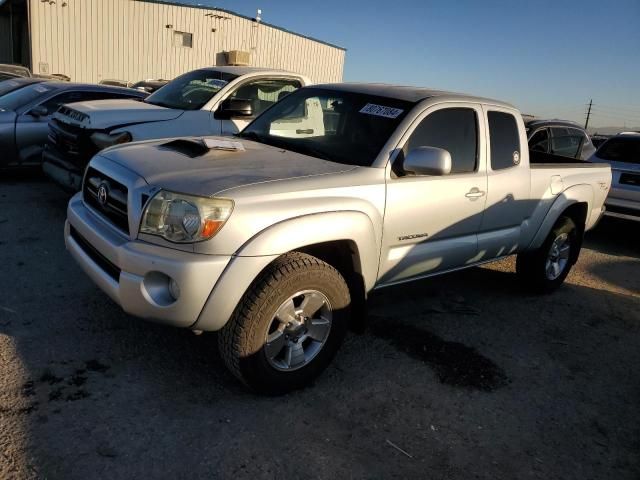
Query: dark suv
{"x":559,"y":137}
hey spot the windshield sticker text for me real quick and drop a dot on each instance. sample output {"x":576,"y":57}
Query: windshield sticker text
{"x":381,"y":111}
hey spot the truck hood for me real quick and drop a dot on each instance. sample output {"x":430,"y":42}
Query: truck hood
{"x":107,"y":114}
{"x":169,"y":165}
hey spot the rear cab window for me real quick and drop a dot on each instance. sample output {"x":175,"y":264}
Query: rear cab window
{"x":264,"y":92}
{"x":504,"y":140}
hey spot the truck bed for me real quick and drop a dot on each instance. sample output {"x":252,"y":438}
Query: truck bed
{"x":553,"y":175}
{"x":549,"y":160}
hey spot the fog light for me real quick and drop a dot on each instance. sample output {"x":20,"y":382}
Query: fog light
{"x":174,"y":289}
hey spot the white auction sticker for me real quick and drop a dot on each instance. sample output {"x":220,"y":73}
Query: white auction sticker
{"x":381,"y":111}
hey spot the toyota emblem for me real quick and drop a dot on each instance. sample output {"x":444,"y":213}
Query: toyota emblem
{"x":103,"y":194}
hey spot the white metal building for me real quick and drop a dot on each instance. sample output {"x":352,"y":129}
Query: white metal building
{"x":92,"y":40}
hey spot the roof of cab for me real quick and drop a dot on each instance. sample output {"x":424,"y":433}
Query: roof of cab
{"x":407,"y":93}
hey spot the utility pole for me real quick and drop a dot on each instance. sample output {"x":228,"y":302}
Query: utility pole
{"x":586,"y":124}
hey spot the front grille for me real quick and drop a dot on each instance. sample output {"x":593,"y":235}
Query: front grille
{"x":630,"y":179}
{"x":107,"y":196}
{"x":103,"y":262}
{"x":72,"y":141}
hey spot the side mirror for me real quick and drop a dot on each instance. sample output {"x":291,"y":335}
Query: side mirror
{"x":234,"y":108}
{"x":427,"y":161}
{"x":39,"y":111}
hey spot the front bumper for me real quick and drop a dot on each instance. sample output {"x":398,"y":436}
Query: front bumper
{"x":136,"y":274}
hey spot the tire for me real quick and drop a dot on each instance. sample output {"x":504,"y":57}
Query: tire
{"x":534,"y":268}
{"x":250,"y":341}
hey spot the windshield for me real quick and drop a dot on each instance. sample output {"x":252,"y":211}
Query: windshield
{"x":621,"y":149}
{"x":24,"y":96}
{"x":190,"y":91}
{"x":343,"y":127}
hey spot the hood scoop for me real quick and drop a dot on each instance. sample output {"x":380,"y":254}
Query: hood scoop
{"x":197,"y":147}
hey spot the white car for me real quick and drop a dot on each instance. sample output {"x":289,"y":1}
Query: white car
{"x":208,"y":101}
{"x":622,"y":152}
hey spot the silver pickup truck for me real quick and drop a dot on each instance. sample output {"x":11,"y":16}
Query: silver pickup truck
{"x":275,"y":238}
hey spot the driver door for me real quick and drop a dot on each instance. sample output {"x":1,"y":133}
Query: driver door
{"x":431,"y":222}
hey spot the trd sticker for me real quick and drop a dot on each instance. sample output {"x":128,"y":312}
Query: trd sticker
{"x":381,"y":111}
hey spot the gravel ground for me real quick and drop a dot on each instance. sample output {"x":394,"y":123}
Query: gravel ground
{"x":464,"y":376}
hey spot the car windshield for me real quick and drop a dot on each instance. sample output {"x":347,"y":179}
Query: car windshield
{"x":343,"y":127}
{"x":621,"y":149}
{"x":190,"y":91}
{"x":24,"y":96}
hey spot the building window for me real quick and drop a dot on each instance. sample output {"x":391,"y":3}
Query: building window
{"x":182,"y":39}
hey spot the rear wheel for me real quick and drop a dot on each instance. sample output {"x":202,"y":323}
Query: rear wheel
{"x":546,"y":268}
{"x":288,"y":326}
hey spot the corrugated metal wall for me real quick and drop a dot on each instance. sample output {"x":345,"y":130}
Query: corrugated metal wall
{"x":91,"y":40}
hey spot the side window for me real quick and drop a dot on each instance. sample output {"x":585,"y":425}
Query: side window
{"x":69,"y":97}
{"x":580,"y":138}
{"x":452,"y":129}
{"x":505,"y":140}
{"x":265,"y":92}
{"x":539,"y":142}
{"x":565,"y":142}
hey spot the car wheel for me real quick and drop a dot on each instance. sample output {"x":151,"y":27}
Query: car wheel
{"x":545,"y":269}
{"x":288,"y":326}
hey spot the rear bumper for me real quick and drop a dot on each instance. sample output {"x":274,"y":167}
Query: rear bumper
{"x":136,"y":274}
{"x":60,"y":170}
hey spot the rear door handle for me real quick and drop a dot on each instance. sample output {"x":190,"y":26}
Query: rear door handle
{"x":474,"y":193}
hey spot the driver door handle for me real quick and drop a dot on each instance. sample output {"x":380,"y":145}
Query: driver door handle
{"x":474,"y":193}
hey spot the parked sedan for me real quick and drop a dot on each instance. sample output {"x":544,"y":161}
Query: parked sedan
{"x":25,"y":114}
{"x":559,"y":137}
{"x":622,"y":152}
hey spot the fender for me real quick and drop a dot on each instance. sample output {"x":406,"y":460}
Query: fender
{"x":570,"y":196}
{"x":283,"y":237}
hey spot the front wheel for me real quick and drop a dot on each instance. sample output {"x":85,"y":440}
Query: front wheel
{"x":546,"y":268}
{"x":288,"y":326}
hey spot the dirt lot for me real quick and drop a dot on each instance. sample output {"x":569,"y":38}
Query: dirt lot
{"x":467,"y":374}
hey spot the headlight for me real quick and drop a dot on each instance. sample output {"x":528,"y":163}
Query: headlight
{"x":184,"y":218}
{"x":104,"y":140}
